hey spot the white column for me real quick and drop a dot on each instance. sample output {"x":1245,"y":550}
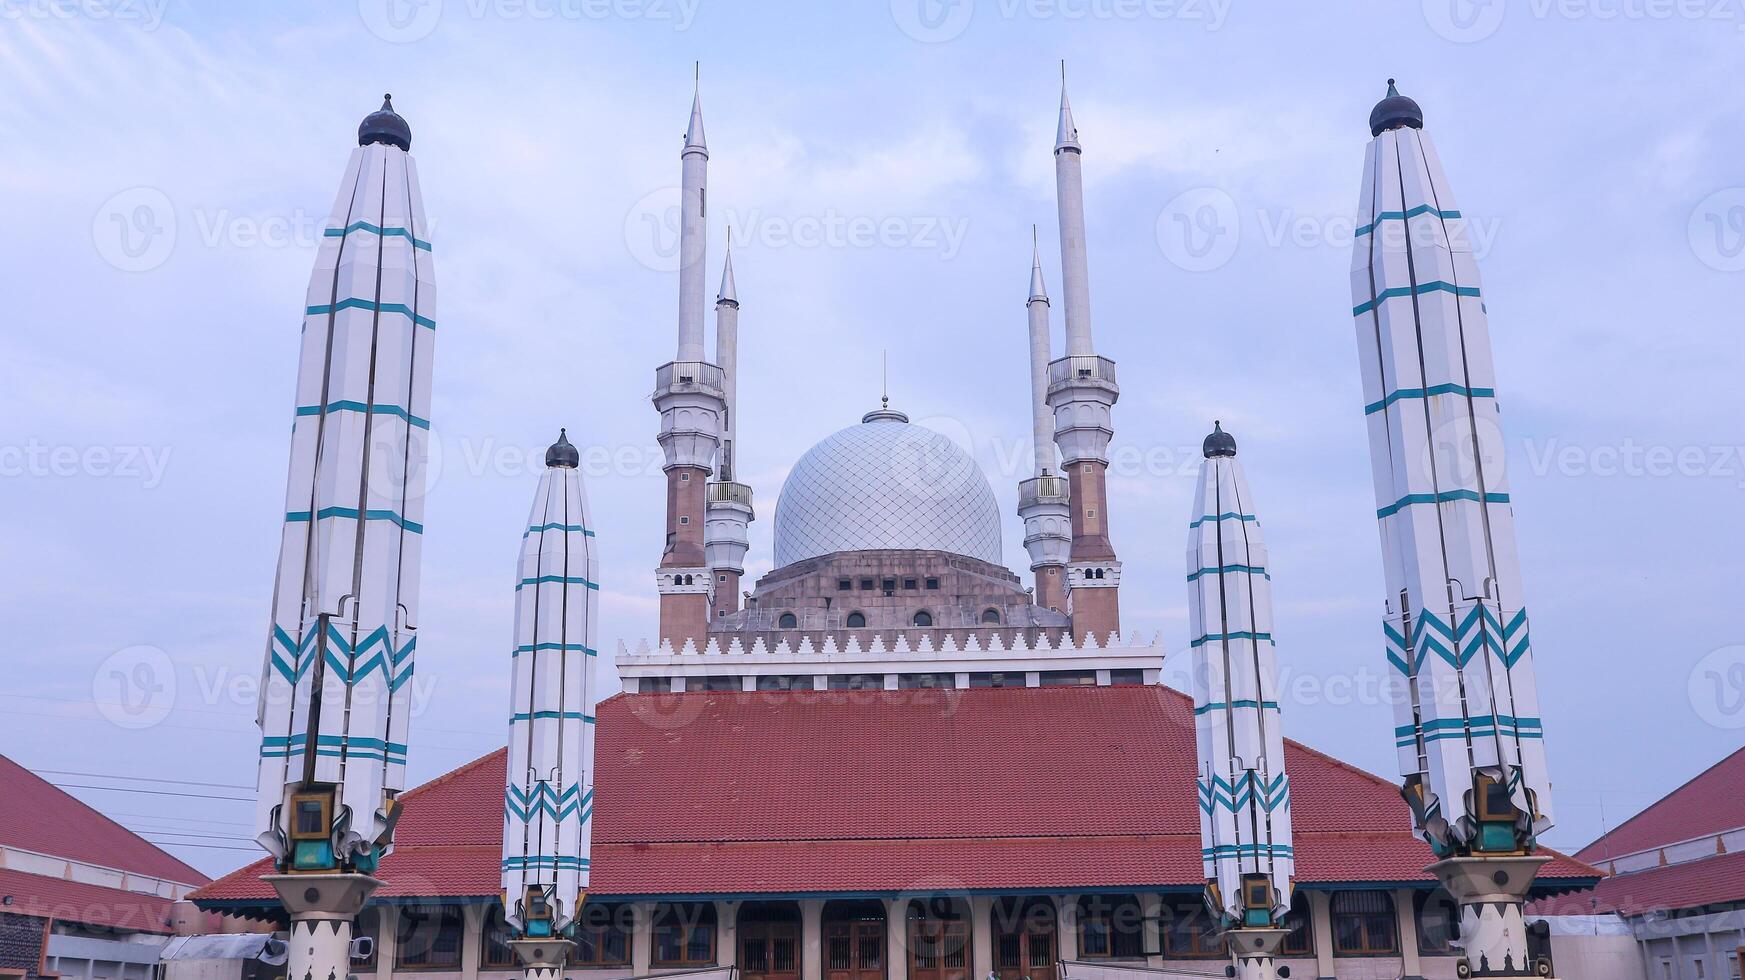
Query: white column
{"x":1408,"y":919}
{"x":1075,"y":284}
{"x":642,"y":940}
{"x":1067,"y":926}
{"x":812,"y":939}
{"x":387,"y":940}
{"x":472,"y":941}
{"x":693,"y":237}
{"x":1321,"y":919}
{"x":896,"y":939}
{"x":726,"y":933}
{"x":1151,"y":908}
{"x":981,"y":934}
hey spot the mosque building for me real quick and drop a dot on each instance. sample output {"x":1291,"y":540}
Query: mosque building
{"x":892,"y":757}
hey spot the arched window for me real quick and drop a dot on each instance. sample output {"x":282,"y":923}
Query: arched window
{"x":856,"y":620}
{"x":1301,"y":941}
{"x":1363,"y":924}
{"x":788,"y":621}
{"x":923,"y":618}
{"x":684,"y":934}
{"x":991,"y":617}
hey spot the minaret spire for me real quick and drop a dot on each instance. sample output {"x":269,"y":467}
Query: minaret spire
{"x":1469,"y":739}
{"x":1042,"y":499}
{"x":689,"y":394}
{"x":728,"y":511}
{"x":693,"y":231}
{"x":1082,"y":391}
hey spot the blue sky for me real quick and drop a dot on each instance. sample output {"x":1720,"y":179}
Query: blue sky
{"x":169,"y":165}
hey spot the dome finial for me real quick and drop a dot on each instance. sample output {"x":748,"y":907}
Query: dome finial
{"x":385,"y":126}
{"x":1219,"y":443}
{"x":562,"y":453}
{"x":1394,"y":111}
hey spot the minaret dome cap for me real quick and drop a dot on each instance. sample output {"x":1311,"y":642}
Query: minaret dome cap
{"x":1219,"y":443}
{"x":1393,"y":112}
{"x":385,"y":126}
{"x":562,"y":453}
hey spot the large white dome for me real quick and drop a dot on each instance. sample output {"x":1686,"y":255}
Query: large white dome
{"x":886,"y":484}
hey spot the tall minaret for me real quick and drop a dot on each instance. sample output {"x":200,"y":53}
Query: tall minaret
{"x":334,"y":701}
{"x":1042,"y":499}
{"x":689,"y":394}
{"x":726,"y":539}
{"x":548,"y":799}
{"x":1082,"y":391}
{"x":1468,"y":732}
{"x":1245,"y":796}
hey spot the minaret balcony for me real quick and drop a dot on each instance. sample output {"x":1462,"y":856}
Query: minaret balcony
{"x":1042,"y":490}
{"x":1081,"y":370}
{"x":689,"y":377}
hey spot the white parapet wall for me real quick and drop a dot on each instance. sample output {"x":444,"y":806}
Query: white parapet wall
{"x":1004,"y":651}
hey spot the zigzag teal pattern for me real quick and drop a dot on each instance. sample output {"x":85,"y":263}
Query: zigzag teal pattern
{"x":537,"y":528}
{"x":386,"y":659}
{"x":354,"y":303}
{"x":1235,"y":796}
{"x":543,"y":861}
{"x":1232,"y":516}
{"x":1248,"y":851}
{"x":1477,"y":632}
{"x":523,"y":805}
{"x":365,"y":226}
{"x":1195,"y":576}
{"x":1399,"y":216}
{"x":1478,"y":726}
{"x":303,"y":517}
{"x":289,"y":658}
{"x":1418,"y":290}
{"x":1215,"y":637}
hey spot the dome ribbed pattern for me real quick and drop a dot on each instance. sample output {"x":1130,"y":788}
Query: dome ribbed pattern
{"x":886,"y":484}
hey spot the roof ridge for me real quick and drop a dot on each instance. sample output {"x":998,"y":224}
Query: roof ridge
{"x":197,"y":878}
{"x":1639,"y":814}
{"x":453,"y":774}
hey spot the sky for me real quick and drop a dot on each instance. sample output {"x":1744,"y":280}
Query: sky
{"x":169,"y":165}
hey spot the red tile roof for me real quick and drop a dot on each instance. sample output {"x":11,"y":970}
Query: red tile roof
{"x":72,"y":901}
{"x":873,"y":791}
{"x":1713,"y":881}
{"x":1712,"y":802}
{"x":36,"y":816}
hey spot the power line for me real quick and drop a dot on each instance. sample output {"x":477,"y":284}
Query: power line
{"x":140,"y":779}
{"x":178,"y":833}
{"x":210,"y":847}
{"x":156,"y":792}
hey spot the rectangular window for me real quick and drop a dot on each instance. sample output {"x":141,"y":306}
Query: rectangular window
{"x":933,"y":584}
{"x":722,"y":683}
{"x":1111,"y":927}
{"x":684,"y":935}
{"x":910,"y":682}
{"x":1301,"y":941}
{"x":369,"y":923}
{"x":497,"y":954}
{"x":888,"y":585}
{"x":602,"y":936}
{"x":785,"y":682}
{"x":844,"y":584}
{"x":429,"y":938}
{"x":866,"y":584}
{"x":1189,"y":932}
{"x":655,"y":685}
{"x":857,"y":682}
{"x":1127,"y":676}
{"x":1363,"y":924}
{"x":911,"y":584}
{"x":1067,"y":678}
{"x":997,"y":679}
